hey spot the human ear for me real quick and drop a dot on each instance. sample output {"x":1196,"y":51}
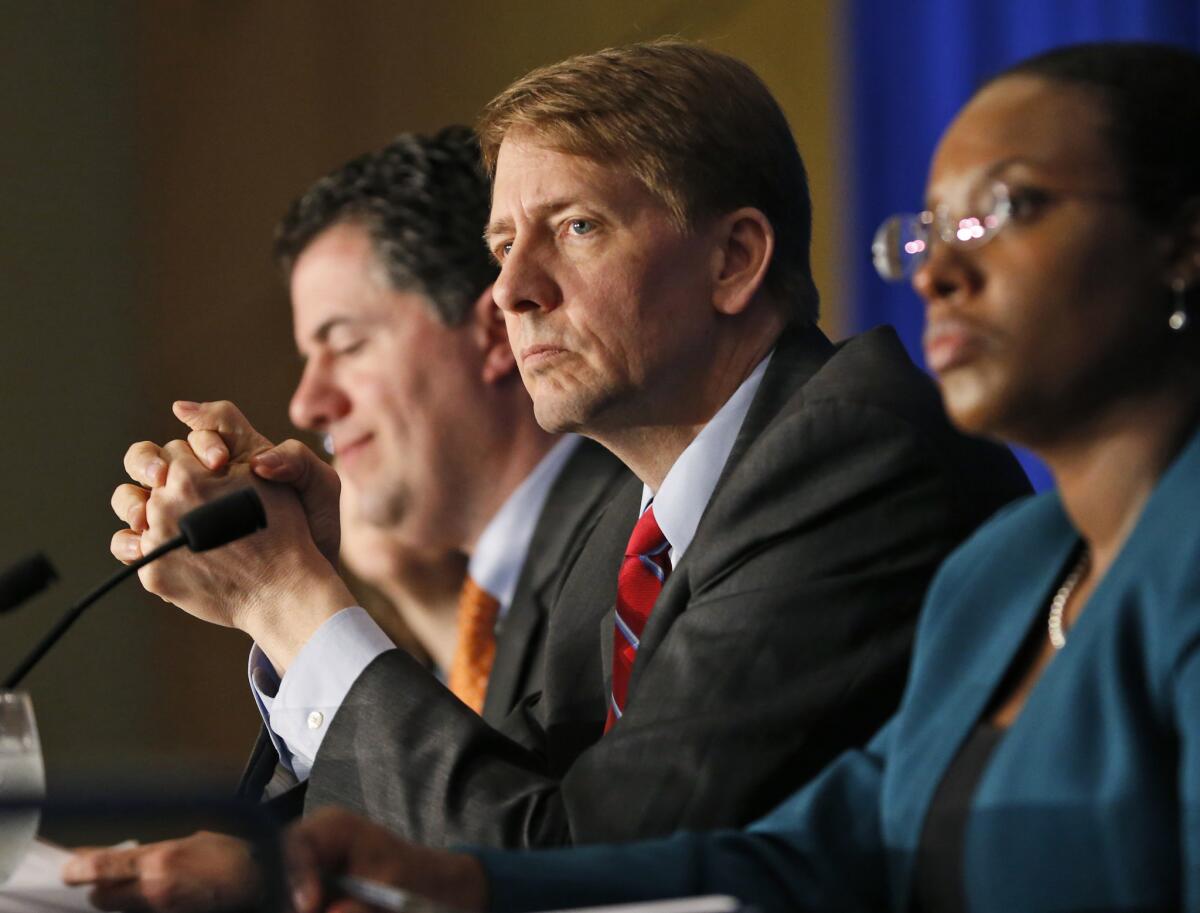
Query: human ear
{"x":491,"y":336}
{"x":745,"y":243}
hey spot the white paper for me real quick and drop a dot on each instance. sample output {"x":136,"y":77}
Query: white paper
{"x":708,"y":903}
{"x":37,"y":886}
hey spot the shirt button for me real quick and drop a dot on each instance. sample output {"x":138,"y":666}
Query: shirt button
{"x":315,"y":719}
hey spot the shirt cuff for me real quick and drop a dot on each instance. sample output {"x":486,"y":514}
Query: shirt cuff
{"x":264,"y":685}
{"x":316,"y":683}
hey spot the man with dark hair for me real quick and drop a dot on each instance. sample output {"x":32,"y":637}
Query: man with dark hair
{"x":420,"y":200}
{"x":409,"y":374}
{"x":742,"y":611}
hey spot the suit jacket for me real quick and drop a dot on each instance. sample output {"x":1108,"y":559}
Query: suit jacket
{"x":590,"y":476}
{"x":1091,"y":800}
{"x":780,"y":639}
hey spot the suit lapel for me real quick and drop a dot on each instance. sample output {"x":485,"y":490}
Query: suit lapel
{"x":520,"y":632}
{"x":587,"y":476}
{"x":799,"y":353}
{"x":977,"y":654}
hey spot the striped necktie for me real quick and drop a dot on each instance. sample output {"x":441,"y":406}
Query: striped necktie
{"x":643,"y":571}
{"x":476,"y":649}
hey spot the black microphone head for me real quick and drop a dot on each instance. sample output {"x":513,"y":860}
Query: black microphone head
{"x":223,"y":520}
{"x":24,"y":580}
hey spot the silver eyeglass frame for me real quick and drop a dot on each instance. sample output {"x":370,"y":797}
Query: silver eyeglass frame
{"x":901,"y":243}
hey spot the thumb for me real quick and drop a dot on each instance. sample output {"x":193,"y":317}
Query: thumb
{"x":225,"y":419}
{"x":296,"y":465}
{"x":317,"y":485}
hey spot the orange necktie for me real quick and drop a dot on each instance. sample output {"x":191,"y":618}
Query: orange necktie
{"x":477,"y":610}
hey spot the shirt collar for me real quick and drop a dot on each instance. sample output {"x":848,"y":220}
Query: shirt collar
{"x":689,"y":484}
{"x":499,"y":554}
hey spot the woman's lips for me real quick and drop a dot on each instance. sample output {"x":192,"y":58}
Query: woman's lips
{"x":949,"y":344}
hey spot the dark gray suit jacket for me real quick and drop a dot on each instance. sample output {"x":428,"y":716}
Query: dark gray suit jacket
{"x":780,"y":639}
{"x":588,"y":479}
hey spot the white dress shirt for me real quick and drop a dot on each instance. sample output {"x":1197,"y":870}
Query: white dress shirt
{"x":298,"y":708}
{"x":688,"y":486}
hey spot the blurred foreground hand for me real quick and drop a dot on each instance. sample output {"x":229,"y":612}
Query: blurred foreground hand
{"x":333,"y":842}
{"x":203,"y":873}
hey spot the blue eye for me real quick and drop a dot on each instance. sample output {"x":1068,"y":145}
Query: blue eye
{"x":581,"y":226}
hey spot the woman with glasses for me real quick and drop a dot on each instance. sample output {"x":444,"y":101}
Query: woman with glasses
{"x":1046,"y":754}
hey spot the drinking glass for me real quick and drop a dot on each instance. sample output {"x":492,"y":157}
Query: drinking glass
{"x":21,"y":778}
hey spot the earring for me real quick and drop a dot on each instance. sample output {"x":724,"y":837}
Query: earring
{"x":1179,"y":317}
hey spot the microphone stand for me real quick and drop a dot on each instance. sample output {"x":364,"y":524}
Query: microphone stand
{"x":207,"y":526}
{"x":72,"y":615}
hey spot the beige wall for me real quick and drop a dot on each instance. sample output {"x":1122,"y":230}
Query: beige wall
{"x":209,"y":117}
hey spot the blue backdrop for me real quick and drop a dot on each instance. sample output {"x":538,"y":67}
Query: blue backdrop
{"x":912,"y":65}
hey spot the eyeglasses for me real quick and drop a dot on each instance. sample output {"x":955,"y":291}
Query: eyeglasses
{"x":902,"y":242}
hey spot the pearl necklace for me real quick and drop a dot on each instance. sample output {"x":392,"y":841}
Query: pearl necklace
{"x":1058,"y":637}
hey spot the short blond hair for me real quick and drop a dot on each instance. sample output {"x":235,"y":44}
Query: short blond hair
{"x":697,"y":127}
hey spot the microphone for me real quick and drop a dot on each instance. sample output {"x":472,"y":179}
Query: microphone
{"x":223,"y":520}
{"x":208,"y":526}
{"x":24,"y":580}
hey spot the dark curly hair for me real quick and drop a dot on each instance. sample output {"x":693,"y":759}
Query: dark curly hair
{"x":425,"y":202}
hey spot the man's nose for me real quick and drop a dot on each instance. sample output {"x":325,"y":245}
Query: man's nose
{"x":318,"y":402}
{"x":526,"y":281}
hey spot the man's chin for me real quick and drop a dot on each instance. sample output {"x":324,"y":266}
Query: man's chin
{"x":558,"y":413}
{"x":382,"y":509}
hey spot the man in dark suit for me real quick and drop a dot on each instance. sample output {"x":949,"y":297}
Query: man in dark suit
{"x":805,"y":492}
{"x":409,"y":376}
{"x":793,"y":497}
{"x":387,"y":280}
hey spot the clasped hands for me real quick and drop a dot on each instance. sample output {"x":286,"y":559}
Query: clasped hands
{"x":278,"y":585}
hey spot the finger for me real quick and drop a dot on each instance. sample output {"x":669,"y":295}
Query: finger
{"x":79,"y":868}
{"x":129,"y":504}
{"x":316,"y":846}
{"x":126,"y":546}
{"x":297,"y":465}
{"x":225,"y":419}
{"x":82,"y":850}
{"x":303,"y":871}
{"x":182,"y":462}
{"x":145,"y":464}
{"x":91,"y":866}
{"x":80,"y":863}
{"x":280,"y":464}
{"x":209,"y":447}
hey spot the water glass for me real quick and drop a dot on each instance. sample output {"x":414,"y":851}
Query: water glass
{"x":21,"y":778}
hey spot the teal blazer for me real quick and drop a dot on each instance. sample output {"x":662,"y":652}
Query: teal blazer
{"x":1088,"y":802}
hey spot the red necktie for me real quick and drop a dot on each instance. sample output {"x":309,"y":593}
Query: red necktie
{"x":643,"y":572}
